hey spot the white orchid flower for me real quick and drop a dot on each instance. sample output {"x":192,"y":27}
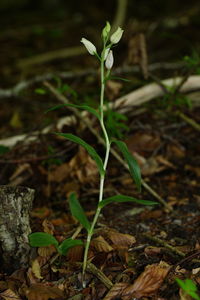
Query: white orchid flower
{"x":89,"y":46}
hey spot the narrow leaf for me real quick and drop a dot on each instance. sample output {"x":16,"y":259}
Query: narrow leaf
{"x":132,"y":163}
{"x":42,"y":239}
{"x":119,"y":78}
{"x":89,"y":149}
{"x":67,"y":244}
{"x":84,"y":107}
{"x":123,"y":198}
{"x":78,"y":212}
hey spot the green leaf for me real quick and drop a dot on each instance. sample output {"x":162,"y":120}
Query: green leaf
{"x":123,"y":198}
{"x":40,"y":91}
{"x":189,"y":287}
{"x":84,"y":107}
{"x":78,"y":212}
{"x":67,"y":244}
{"x":89,"y":149}
{"x":132,"y":163}
{"x":42,"y":239}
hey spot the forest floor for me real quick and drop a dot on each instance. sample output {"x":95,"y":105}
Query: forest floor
{"x":137,"y":251}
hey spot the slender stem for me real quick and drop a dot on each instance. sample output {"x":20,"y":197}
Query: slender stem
{"x":102,"y":178}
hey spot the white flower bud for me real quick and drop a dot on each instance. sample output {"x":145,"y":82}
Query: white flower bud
{"x":106,"y":30}
{"x":109,"y":60}
{"x":89,"y":46}
{"x":116,"y":36}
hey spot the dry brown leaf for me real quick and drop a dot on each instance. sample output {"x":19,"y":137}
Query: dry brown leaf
{"x":116,"y":291}
{"x":36,"y":269}
{"x":175,"y":151}
{"x":10,"y":295}
{"x":48,"y":226}
{"x":46,"y":251}
{"x":75,"y":254}
{"x":148,"y":282}
{"x":112,"y":89}
{"x":83,"y":167}
{"x":143,"y":143}
{"x":101,"y":245}
{"x":40,"y":291}
{"x":120,"y":239}
{"x":59,"y":173}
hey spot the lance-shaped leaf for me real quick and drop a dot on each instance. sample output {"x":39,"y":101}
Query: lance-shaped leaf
{"x":123,"y":198}
{"x":83,"y":107}
{"x":42,"y":239}
{"x":78,"y":212}
{"x":89,"y":149}
{"x":67,"y":244}
{"x":132,"y":163}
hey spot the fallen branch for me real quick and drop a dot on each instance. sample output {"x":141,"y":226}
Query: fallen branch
{"x":123,"y":104}
{"x":154,"y":90}
{"x":24,"y":84}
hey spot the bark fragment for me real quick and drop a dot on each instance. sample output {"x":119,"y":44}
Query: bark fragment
{"x":15,"y":205}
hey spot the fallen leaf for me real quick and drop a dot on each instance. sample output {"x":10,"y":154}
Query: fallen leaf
{"x":148,"y":282}
{"x":10,"y":295}
{"x":48,"y":226}
{"x":143,"y":143}
{"x":59,"y":173}
{"x":116,"y":291}
{"x":46,"y":251}
{"x":112,"y":89}
{"x":101,"y":245}
{"x":83,"y":167}
{"x":40,"y":291}
{"x":120,"y":239}
{"x":36,"y":269}
{"x":75,"y":254}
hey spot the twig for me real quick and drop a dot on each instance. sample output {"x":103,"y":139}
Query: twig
{"x":163,"y":243}
{"x":63,"y":99}
{"x":99,"y":274}
{"x":188,"y":120}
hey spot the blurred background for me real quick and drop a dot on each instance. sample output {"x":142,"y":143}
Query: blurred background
{"x":44,"y":35}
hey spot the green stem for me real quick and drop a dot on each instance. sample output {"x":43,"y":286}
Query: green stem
{"x":102,"y":178}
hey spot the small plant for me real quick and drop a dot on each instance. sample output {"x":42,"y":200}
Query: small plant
{"x":189,"y":287}
{"x":106,"y":60}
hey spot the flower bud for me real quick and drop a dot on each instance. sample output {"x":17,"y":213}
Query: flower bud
{"x":109,"y":60}
{"x":89,"y":46}
{"x":106,"y":30}
{"x":116,"y":36}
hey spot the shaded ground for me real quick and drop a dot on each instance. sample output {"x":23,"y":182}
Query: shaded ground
{"x":140,"y":250}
